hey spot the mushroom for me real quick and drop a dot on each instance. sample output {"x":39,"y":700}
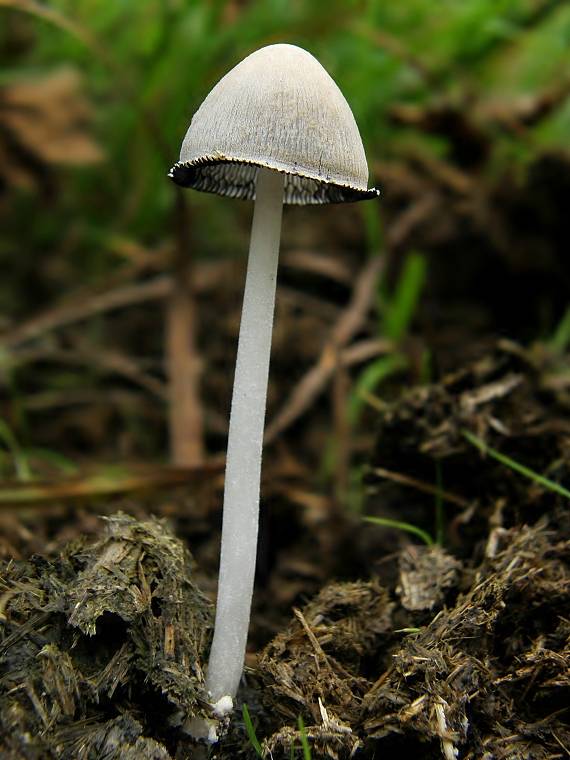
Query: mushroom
{"x":275,"y":129}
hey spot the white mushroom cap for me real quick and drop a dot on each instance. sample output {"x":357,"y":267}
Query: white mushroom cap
{"x":280,"y":109}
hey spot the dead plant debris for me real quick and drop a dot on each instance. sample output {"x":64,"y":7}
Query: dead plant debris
{"x":102,"y":647}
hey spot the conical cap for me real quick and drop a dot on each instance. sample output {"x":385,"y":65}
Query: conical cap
{"x":280,"y":109}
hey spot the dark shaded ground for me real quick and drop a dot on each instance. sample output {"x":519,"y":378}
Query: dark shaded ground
{"x":443,"y":651}
{"x":383,"y":645}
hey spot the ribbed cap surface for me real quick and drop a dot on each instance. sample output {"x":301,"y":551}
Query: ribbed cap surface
{"x":280,"y":109}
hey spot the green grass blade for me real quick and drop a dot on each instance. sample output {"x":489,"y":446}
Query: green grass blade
{"x":21,"y":463}
{"x":400,"y":309}
{"x":373,"y":227}
{"x":387,"y":523}
{"x":250,"y":731}
{"x":370,"y":379}
{"x":55,"y":459}
{"x":304,"y":739}
{"x":560,"y":340}
{"x":516,"y":466}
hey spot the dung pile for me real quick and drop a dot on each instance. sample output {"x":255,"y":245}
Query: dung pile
{"x":101,"y":648}
{"x":489,"y":677}
{"x":467,"y":650}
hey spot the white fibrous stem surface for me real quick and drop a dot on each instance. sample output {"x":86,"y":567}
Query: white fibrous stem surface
{"x":243,"y":463}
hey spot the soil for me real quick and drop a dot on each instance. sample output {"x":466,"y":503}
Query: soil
{"x":382,"y":644}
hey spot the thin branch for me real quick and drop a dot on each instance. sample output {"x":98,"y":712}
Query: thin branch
{"x":314,"y":382}
{"x":109,"y":481}
{"x":421,"y":485}
{"x":102,"y":360}
{"x":67,"y":314}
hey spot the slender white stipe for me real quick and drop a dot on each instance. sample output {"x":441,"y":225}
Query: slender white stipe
{"x":245,"y":442}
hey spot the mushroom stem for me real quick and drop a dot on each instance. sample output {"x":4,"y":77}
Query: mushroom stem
{"x":245,"y":441}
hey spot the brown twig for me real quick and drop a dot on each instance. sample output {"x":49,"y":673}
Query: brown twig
{"x":410,"y":219}
{"x":313,"y":383}
{"x":365,"y":350}
{"x":315,"y":263}
{"x":186,"y":423}
{"x":91,"y":356}
{"x":86,"y":304}
{"x":111,"y":481}
{"x":66,"y":314}
{"x":420,"y":485}
{"x":342,"y":429}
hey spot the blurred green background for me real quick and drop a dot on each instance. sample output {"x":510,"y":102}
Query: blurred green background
{"x":95,"y":98}
{"x":146,"y":66}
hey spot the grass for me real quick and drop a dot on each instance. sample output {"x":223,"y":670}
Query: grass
{"x":560,"y":339}
{"x":250,"y":731}
{"x":398,"y":525}
{"x":512,"y":464}
{"x":397,"y":310}
{"x":400,"y":308}
{"x":19,"y":457}
{"x":478,"y":443}
{"x":255,"y":743}
{"x":304,"y":739}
